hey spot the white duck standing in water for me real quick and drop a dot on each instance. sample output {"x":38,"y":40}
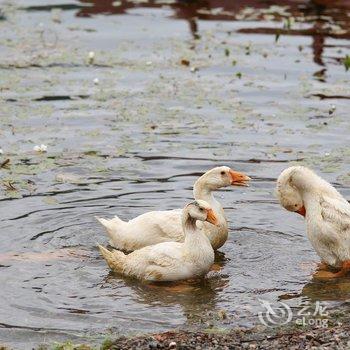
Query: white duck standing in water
{"x":327,"y":215}
{"x":170,"y":261}
{"x":163,"y":226}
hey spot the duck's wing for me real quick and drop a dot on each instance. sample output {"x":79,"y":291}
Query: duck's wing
{"x":165,"y":254}
{"x":335,"y":208}
{"x":171,"y":224}
{"x":145,"y":230}
{"x":166,"y":225}
{"x":160,"y":262}
{"x":336,"y":213}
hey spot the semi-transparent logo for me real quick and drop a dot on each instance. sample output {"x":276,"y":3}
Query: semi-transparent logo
{"x":278,"y":314}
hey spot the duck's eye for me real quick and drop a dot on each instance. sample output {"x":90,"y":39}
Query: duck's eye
{"x":295,"y":205}
{"x":201,"y":209}
{"x":222,"y":173}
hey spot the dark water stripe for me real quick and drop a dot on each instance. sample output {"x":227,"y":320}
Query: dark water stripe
{"x":50,"y":209}
{"x":48,"y":8}
{"x":54,"y":65}
{"x":60,"y":98}
{"x":263,"y":231}
{"x":165,"y":179}
{"x":53,"y":98}
{"x":36,"y":329}
{"x":114,"y":196}
{"x":252,"y":160}
{"x":48,"y":194}
{"x":324,"y":97}
{"x":56,"y":230}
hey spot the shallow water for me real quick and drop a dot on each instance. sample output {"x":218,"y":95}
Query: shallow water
{"x":259,"y":98}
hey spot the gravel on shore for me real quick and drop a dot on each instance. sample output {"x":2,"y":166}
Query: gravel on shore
{"x":336,"y":337}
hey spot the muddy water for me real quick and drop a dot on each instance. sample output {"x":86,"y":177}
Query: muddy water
{"x":181,"y":88}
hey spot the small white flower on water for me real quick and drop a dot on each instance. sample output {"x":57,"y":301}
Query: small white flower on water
{"x":96,"y":81}
{"x":1,"y":151}
{"x":149,"y":63}
{"x":333,"y":107}
{"x":41,"y":149}
{"x":327,"y":154}
{"x":91,"y":57}
{"x":194,"y":69}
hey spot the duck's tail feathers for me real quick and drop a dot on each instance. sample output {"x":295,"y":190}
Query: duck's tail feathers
{"x":113,"y":226}
{"x":110,"y":224}
{"x":115,"y":259}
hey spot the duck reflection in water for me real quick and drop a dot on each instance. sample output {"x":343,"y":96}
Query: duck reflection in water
{"x":322,"y":289}
{"x":197,"y":298}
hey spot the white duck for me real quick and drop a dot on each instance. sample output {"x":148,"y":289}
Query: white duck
{"x":163,"y":226}
{"x":327,"y":214}
{"x":170,"y":261}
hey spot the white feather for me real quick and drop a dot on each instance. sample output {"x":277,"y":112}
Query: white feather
{"x":167,"y":261}
{"x":327,"y":212}
{"x":163,"y":226}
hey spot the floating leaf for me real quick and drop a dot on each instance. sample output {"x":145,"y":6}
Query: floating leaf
{"x":277,"y":36}
{"x":347,"y":62}
{"x":185,"y":62}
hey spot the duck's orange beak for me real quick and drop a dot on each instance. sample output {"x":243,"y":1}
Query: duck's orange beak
{"x":239,"y":179}
{"x":302,"y":211}
{"x":211,"y":217}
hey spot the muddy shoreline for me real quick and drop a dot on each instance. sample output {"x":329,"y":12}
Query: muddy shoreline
{"x":291,"y":336}
{"x":256,"y":338}
{"x":332,"y":332}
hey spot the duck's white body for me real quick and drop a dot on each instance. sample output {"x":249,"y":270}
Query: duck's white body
{"x":163,"y":226}
{"x":328,"y":227}
{"x":149,"y":228}
{"x":327,"y":212}
{"x":167,"y":261}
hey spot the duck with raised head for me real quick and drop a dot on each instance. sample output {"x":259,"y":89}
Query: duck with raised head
{"x":170,"y":261}
{"x":163,"y":226}
{"x":327,"y":215}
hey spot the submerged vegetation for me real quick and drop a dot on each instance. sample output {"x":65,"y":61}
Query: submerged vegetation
{"x":347,"y":62}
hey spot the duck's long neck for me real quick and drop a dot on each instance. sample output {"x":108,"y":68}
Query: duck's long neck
{"x":202,"y":191}
{"x":313,"y":209}
{"x":314,"y":190}
{"x":195,"y":240}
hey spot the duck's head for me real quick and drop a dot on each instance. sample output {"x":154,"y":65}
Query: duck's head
{"x":290,"y":184}
{"x":201,"y":210}
{"x":223,"y":176}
